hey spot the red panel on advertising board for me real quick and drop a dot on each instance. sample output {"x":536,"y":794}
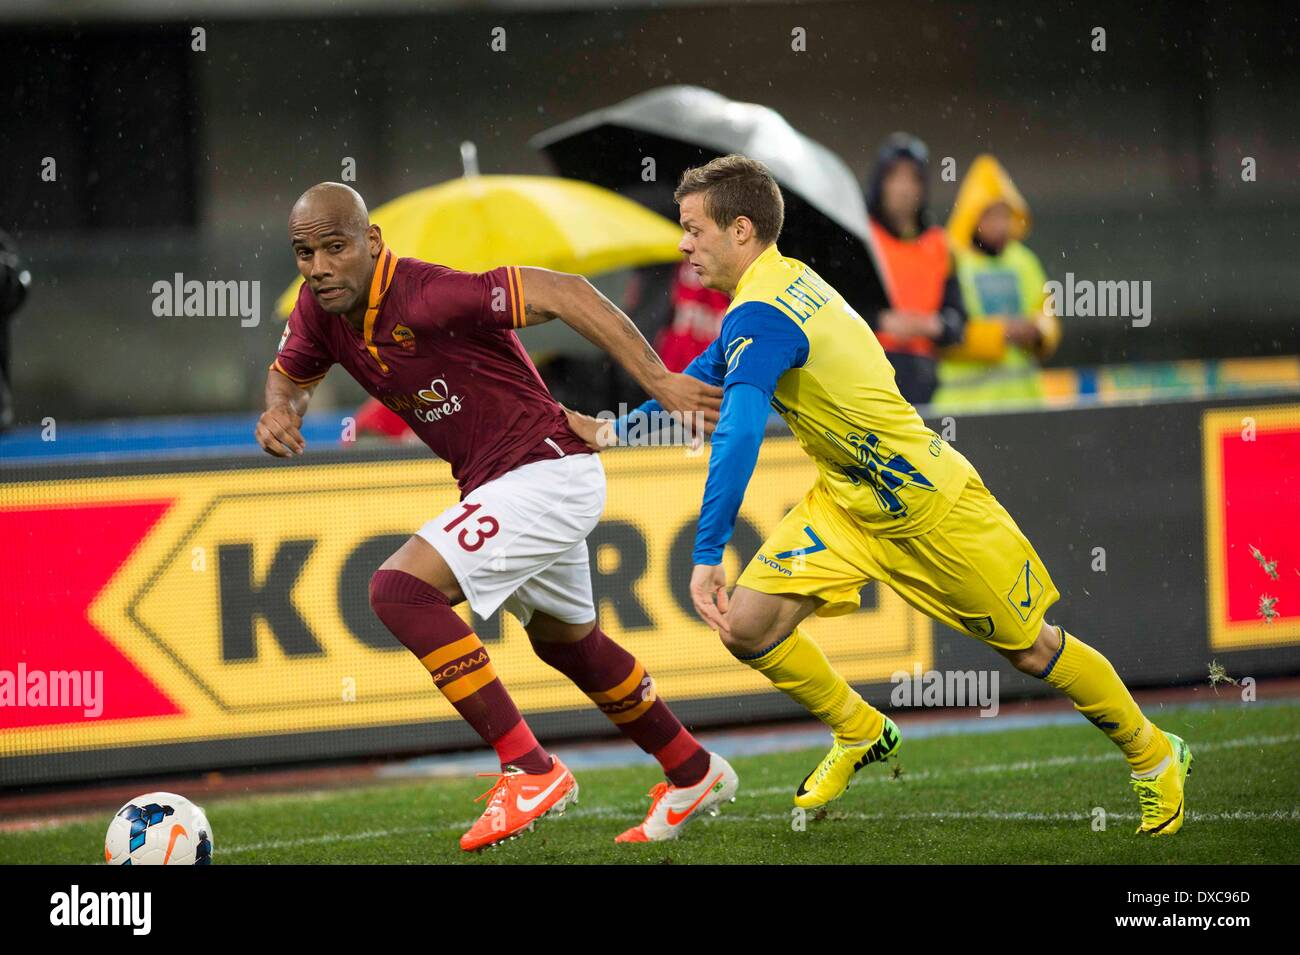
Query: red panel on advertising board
{"x":1261,"y":508}
{"x":56,"y":561}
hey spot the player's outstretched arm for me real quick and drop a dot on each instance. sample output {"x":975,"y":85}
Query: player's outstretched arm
{"x":736,"y":445}
{"x":278,"y":429}
{"x":599,"y":433}
{"x":576,"y":302}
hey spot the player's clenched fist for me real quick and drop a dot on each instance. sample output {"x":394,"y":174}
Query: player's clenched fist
{"x":278,"y":432}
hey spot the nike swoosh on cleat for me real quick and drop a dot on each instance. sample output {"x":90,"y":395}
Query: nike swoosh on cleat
{"x":676,"y":819}
{"x":528,"y":805}
{"x":803,"y":790}
{"x":1178,"y":813}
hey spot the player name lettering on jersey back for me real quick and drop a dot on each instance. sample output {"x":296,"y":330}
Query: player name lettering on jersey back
{"x":803,"y":297}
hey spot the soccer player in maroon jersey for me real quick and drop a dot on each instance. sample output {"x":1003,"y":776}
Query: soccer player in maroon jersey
{"x":438,"y":346}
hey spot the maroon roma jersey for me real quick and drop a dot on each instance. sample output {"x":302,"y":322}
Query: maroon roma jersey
{"x":439,"y":348}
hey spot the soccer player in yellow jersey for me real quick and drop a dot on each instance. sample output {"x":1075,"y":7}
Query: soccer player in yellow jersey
{"x":893,"y":502}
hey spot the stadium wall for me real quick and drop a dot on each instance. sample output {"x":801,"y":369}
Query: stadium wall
{"x":175,"y":161}
{"x":223,"y":601}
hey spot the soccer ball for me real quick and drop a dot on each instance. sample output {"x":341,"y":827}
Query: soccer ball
{"x":159,"y":829}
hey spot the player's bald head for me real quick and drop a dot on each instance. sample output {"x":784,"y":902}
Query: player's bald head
{"x":335,"y":246}
{"x":330,"y":204}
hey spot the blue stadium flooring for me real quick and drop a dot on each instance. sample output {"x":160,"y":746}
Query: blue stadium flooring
{"x":162,"y":437}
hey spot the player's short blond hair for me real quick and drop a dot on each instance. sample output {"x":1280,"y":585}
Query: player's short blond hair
{"x":736,"y":186}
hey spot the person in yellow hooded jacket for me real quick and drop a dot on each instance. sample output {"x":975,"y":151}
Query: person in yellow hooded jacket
{"x":1010,"y":329}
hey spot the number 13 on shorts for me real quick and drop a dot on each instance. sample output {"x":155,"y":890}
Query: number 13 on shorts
{"x":472,"y":537}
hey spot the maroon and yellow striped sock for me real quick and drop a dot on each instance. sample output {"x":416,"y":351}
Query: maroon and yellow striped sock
{"x":420,"y":616}
{"x":620,"y":686}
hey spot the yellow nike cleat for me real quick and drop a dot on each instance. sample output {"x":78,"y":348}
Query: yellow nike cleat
{"x":834,"y":773}
{"x":1161,"y":797}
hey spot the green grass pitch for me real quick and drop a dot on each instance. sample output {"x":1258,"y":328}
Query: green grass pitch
{"x":1022,"y":795}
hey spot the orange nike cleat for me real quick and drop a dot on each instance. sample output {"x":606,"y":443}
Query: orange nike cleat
{"x":517,"y":800}
{"x":671,"y":807}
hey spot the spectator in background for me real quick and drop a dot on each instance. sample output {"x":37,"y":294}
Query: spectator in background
{"x":694,"y":322}
{"x":926,"y":312}
{"x":14,"y":282}
{"x":1010,"y":329}
{"x":373,"y":418}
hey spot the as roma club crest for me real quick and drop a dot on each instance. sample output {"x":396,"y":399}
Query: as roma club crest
{"x":404,"y":337}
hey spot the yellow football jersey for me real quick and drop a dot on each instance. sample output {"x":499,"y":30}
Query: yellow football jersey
{"x":875,"y":455}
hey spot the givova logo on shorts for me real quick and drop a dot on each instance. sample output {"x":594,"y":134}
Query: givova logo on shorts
{"x":764,"y":559}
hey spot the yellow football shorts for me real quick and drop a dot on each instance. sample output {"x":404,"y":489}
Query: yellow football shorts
{"x":974,"y":571}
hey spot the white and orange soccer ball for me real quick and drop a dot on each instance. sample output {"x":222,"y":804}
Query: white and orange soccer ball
{"x":159,"y":829}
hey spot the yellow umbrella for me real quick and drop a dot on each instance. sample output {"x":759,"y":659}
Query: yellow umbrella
{"x":477,"y":223}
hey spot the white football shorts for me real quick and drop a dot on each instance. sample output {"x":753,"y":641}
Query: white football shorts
{"x":520,"y":541}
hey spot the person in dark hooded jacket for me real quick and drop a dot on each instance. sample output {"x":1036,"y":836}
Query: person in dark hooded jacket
{"x":926,"y":312}
{"x":14,"y":282}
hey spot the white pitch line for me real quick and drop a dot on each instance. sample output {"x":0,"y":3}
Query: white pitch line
{"x":319,"y":840}
{"x":1239,"y":815}
{"x":1025,"y":765}
{"x":609,"y":812}
{"x":1022,"y":765}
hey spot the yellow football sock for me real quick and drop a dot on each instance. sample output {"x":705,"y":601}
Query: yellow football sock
{"x":1087,"y":678}
{"x":798,"y":668}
